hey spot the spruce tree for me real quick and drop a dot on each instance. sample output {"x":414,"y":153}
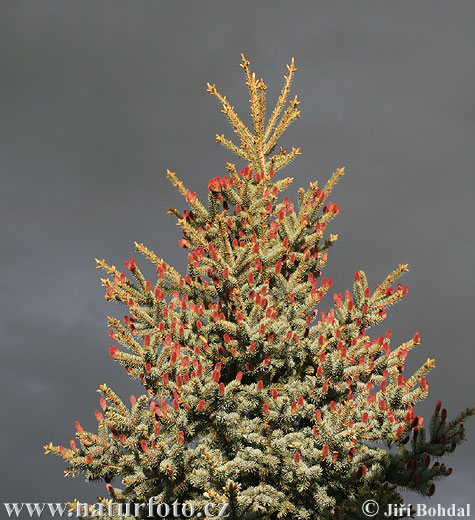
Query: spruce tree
{"x":252,"y":397}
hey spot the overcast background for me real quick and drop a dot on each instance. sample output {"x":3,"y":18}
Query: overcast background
{"x":99,"y":98}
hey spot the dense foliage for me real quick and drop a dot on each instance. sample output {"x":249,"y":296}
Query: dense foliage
{"x":252,"y":397}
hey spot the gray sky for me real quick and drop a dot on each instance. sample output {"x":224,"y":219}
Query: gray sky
{"x":97,"y":99}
